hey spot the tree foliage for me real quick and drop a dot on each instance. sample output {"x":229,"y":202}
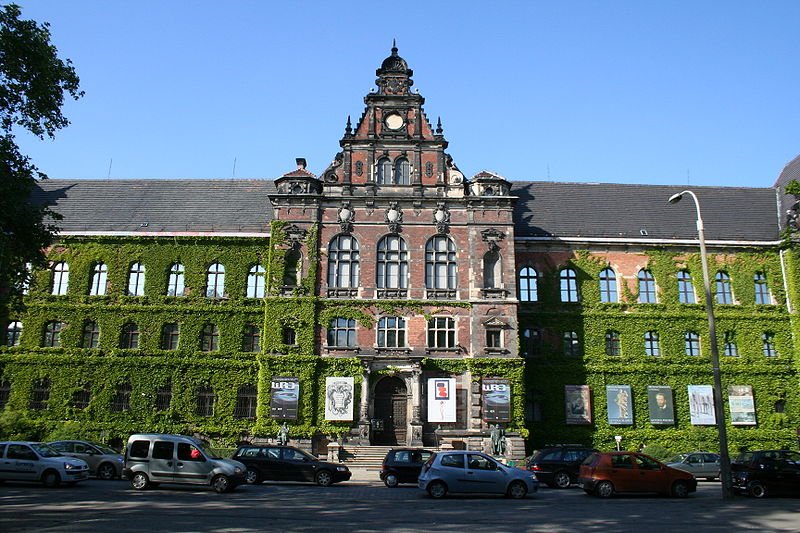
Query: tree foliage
{"x":33,"y":83}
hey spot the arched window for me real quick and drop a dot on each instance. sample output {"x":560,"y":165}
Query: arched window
{"x":205,"y":400}
{"x":255,"y":282}
{"x":768,"y":344}
{"x":252,"y":339}
{"x":724,"y":292}
{"x":130,"y":336}
{"x":99,"y":280}
{"x":91,"y":334}
{"x":441,"y":270}
{"x":342,"y":333}
{"x":392,"y":270}
{"x":569,"y":285}
{"x":292,"y":268}
{"x":209,"y":338}
{"x":685,"y":288}
{"x":215,"y":281}
{"x":608,"y":286}
{"x":729,"y":347}
{"x":136,"y":280}
{"x":647,"y":287}
{"x":52,"y":334}
{"x":651,"y":345}
{"x":763,"y":295}
{"x":612,"y":343}
{"x":60,"y":278}
{"x":402,"y":172}
{"x":170,"y":334}
{"x":384,"y":171}
{"x":175,"y":285}
{"x":343,"y":262}
{"x":691,"y":343}
{"x":491,"y":270}
{"x":528,"y":284}
{"x":391,"y":332}
{"x":13,"y":333}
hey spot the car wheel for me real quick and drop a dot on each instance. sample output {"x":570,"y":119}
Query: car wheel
{"x":391,"y":480}
{"x":221,"y":483}
{"x":604,"y":489}
{"x":437,"y":490}
{"x":756,"y":489}
{"x":252,"y":477}
{"x":139,"y":481}
{"x":324,"y":478}
{"x":562,"y":480}
{"x":51,"y":479}
{"x":680,"y":489}
{"x":106,"y":471}
{"x":517,"y":490}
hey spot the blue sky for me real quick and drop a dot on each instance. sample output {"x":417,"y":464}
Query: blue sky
{"x":670,"y":92}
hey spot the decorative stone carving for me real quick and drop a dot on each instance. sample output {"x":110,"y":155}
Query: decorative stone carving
{"x":492,"y":238}
{"x":441,"y":217}
{"x":295,"y":234}
{"x":346,"y":216}
{"x":393,"y":217}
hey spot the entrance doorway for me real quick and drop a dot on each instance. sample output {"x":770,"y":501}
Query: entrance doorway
{"x":390,"y":408}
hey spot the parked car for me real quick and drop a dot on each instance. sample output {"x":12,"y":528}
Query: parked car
{"x":153,"y":458}
{"x":403,"y":465}
{"x":36,"y":461}
{"x":699,"y":464}
{"x":461,"y":471}
{"x":605,"y":474}
{"x":104,"y":461}
{"x":287,"y":463}
{"x":767,"y":472}
{"x":558,"y":465}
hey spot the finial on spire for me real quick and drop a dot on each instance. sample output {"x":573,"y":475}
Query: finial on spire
{"x":348,"y":129}
{"x":394,"y":47}
{"x":439,"y":126}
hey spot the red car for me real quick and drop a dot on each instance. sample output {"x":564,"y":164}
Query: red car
{"x":605,"y":474}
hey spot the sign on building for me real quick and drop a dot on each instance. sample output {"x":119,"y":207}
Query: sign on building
{"x":284,"y":397}
{"x":339,"y":398}
{"x":701,"y":405}
{"x":578,"y":404}
{"x":620,"y":405}
{"x":441,"y":400}
{"x":660,"y":405}
{"x":743,"y":409}
{"x":496,"y":400}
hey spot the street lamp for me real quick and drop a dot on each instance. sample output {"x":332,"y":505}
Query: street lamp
{"x":724,"y":459}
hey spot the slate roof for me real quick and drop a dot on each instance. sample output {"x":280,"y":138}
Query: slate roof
{"x":790,"y":172}
{"x":609,"y":210}
{"x":171,"y":206}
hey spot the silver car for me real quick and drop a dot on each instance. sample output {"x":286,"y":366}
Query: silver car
{"x":473,"y":472}
{"x":36,"y":461}
{"x":104,"y":462}
{"x":699,"y":464}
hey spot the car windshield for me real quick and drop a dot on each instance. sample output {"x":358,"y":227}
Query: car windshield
{"x":44,"y":450}
{"x":203,"y":449}
{"x":106,"y":449}
{"x":679,"y":458}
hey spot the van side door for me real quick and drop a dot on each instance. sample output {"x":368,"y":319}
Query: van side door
{"x":192,"y":466}
{"x":162,"y":461}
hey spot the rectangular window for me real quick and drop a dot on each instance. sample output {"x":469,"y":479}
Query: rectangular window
{"x":494,"y":338}
{"x":768,"y":340}
{"x":441,"y":332}
{"x":342,"y":333}
{"x":572,"y":345}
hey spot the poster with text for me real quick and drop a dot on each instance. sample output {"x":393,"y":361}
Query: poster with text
{"x":496,"y":400}
{"x":339,"y":398}
{"x":441,"y":400}
{"x":743,"y":408}
{"x":578,"y":404}
{"x":284,"y":396}
{"x":701,"y":405}
{"x":660,"y":405}
{"x":620,"y":405}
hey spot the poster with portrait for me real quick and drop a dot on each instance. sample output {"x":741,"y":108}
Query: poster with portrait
{"x":620,"y":405}
{"x":743,"y":408}
{"x":496,"y":400}
{"x":660,"y":405}
{"x":578,"y":404}
{"x":442,"y":400}
{"x":701,"y":405}
{"x":284,"y":397}
{"x":339,"y":398}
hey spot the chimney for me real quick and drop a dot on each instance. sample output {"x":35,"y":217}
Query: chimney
{"x":301,"y":163}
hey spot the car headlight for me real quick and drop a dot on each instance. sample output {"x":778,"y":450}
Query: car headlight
{"x":341,"y":468}
{"x":70,"y":466}
{"x":238,"y":470}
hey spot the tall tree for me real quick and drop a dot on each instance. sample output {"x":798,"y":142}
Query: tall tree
{"x":33,"y":83}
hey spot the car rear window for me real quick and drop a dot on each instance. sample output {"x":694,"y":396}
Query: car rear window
{"x":592,"y":460}
{"x":552,"y":455}
{"x":139,"y":449}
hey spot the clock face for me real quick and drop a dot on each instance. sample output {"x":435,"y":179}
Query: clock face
{"x":394,"y":121}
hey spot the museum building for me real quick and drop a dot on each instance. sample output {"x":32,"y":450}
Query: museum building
{"x":392,"y":300}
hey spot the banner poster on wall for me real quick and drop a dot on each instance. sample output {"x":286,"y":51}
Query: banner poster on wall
{"x":660,"y":405}
{"x":620,"y":405}
{"x":339,"y":398}
{"x":496,"y":400}
{"x":284,"y":397}
{"x":743,"y":409}
{"x":701,"y":405}
{"x":441,"y":400}
{"x":578,"y":404}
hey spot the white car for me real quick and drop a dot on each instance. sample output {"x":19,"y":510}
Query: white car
{"x":36,"y":461}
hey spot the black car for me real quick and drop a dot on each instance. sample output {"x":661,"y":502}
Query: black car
{"x":767,"y":472}
{"x":558,"y":466}
{"x":286,"y":463}
{"x":403,"y":465}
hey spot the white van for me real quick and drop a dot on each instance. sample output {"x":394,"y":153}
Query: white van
{"x":153,"y":458}
{"x":36,"y":461}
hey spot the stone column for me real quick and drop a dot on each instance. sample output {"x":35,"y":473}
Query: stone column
{"x":363,"y":418}
{"x":416,"y":404}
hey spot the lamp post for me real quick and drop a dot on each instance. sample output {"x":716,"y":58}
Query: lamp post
{"x":724,"y":458}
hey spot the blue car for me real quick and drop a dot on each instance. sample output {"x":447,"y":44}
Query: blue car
{"x":469,"y":472}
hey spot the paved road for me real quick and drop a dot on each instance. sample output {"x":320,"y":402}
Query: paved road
{"x":112,"y":506}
